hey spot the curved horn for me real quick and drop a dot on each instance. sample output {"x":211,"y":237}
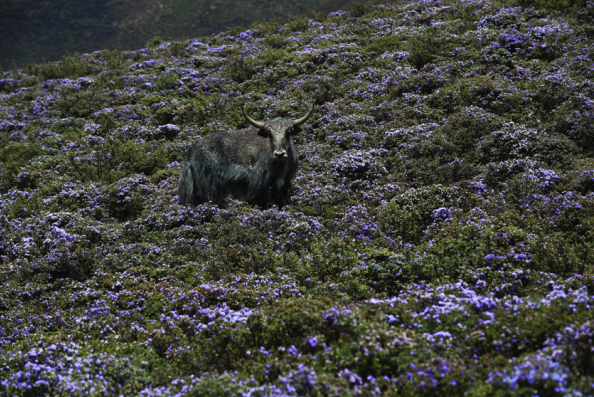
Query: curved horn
{"x":303,"y":119}
{"x":253,"y":122}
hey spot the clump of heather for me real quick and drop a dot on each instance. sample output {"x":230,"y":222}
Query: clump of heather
{"x":438,"y":238}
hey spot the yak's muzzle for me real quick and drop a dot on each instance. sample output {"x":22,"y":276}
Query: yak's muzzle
{"x":280,"y":154}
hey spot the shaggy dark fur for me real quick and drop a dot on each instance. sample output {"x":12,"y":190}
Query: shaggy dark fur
{"x":248,"y":164}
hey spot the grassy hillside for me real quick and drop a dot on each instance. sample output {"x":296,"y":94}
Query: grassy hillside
{"x":38,"y":30}
{"x":438,"y":240}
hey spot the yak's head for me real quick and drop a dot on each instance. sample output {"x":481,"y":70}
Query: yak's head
{"x":279,"y":131}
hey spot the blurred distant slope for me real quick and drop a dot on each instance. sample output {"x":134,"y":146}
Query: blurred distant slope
{"x":33,"y":30}
{"x":37,"y":30}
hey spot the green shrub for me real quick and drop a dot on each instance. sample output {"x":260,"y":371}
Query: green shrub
{"x":379,"y":45}
{"x":267,"y":27}
{"x":150,"y":100}
{"x":464,"y":129}
{"x":164,"y":115}
{"x":107,"y":122}
{"x":558,"y":5}
{"x":359,"y":9}
{"x":116,"y":159}
{"x":167,"y":81}
{"x":407,"y":215}
{"x":241,"y":68}
{"x":272,"y":56}
{"x":404,"y":223}
{"x":177,"y":48}
{"x":154,"y":42}
{"x":274,"y":40}
{"x":69,"y":66}
{"x":326,"y":261}
{"x":234,"y":30}
{"x":426,"y":48}
{"x":235,"y":249}
{"x":575,"y":125}
{"x":114,"y":59}
{"x":67,"y":126}
{"x":319,"y":16}
{"x":297,"y":23}
{"x":388,"y":271}
{"x":123,"y":210}
{"x":19,"y":153}
{"x":14,"y":157}
{"x":80,"y":104}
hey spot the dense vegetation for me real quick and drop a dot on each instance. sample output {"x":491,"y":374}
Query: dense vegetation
{"x":438,"y":240}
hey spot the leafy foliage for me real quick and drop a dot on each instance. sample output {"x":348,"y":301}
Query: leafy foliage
{"x":438,"y":238}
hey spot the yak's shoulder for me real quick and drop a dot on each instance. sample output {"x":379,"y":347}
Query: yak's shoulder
{"x":233,"y":133}
{"x":223,"y":136}
{"x":234,"y":141}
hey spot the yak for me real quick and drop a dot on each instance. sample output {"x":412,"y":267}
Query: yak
{"x":250,"y":164}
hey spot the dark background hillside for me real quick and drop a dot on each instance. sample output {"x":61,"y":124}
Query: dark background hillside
{"x":438,"y":238}
{"x":37,"y":30}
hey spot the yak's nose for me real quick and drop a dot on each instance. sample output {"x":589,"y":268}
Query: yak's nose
{"x":280,"y":154}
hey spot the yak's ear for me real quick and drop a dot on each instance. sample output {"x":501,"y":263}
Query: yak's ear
{"x":264,"y":132}
{"x":295,"y":130}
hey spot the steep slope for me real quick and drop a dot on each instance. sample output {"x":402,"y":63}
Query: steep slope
{"x":438,"y":240}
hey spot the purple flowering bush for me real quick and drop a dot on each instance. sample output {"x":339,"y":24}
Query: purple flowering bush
{"x":438,"y":238}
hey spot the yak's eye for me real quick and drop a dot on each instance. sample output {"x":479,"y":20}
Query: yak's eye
{"x":264,"y":132}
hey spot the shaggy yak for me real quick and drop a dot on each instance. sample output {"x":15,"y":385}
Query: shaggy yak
{"x":247,"y":163}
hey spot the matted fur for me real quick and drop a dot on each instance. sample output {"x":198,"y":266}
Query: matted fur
{"x":247,"y":164}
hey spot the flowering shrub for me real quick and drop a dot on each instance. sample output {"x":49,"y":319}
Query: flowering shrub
{"x":437,"y":239}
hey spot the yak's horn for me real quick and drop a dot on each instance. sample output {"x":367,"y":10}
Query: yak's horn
{"x":253,"y":122}
{"x":303,"y":119}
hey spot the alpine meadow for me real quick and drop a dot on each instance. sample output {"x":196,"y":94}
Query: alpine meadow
{"x":437,"y":238}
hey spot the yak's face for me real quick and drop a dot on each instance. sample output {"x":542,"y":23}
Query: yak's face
{"x":279,"y":132}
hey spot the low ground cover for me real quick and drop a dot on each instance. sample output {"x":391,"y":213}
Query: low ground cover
{"x":438,"y":240}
